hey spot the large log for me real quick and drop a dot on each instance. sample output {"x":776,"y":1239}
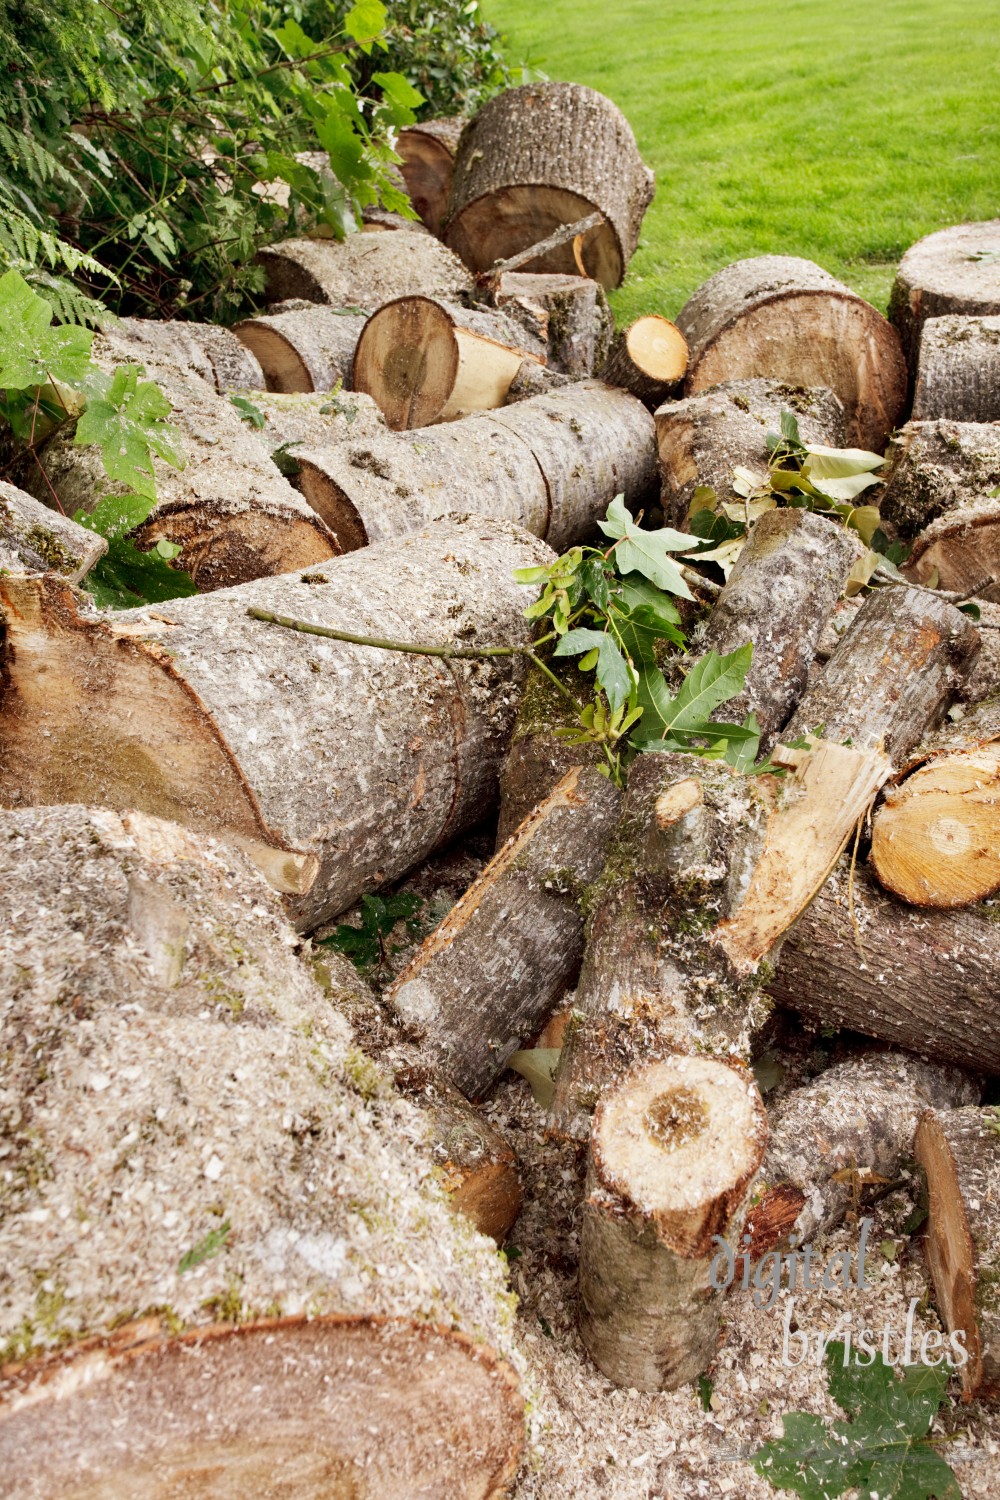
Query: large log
{"x":540,"y":156}
{"x":362,"y":271}
{"x":36,"y":539}
{"x":174,"y":349}
{"x":933,"y":468}
{"x":958,"y":373}
{"x":425,"y":361}
{"x":428,"y":161}
{"x":649,"y":358}
{"x":307,"y":348}
{"x":196,"y":1138}
{"x":570,"y":312}
{"x":337,"y":767}
{"x":955,"y":270}
{"x":786,"y":319}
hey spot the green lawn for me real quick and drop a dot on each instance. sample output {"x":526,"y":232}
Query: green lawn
{"x":834,"y":129}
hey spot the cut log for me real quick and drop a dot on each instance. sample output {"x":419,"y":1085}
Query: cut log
{"x":533,"y":379}
{"x":851,"y":1126}
{"x":958,"y":374}
{"x":956,"y":270}
{"x":959,"y":1149}
{"x":239,"y":729}
{"x":304,"y":350}
{"x":538,"y":757}
{"x":570,"y":312}
{"x":364,"y":270}
{"x":316,"y":419}
{"x":649,"y":358}
{"x":428,"y":152}
{"x":540,"y":156}
{"x":702,"y":439}
{"x":170,"y":349}
{"x":426,"y":361}
{"x":786,"y":319}
{"x":204,"y":1144}
{"x":376,"y":220}
{"x":674,"y":1151}
{"x":933,"y":468}
{"x":35,"y":539}
{"x":484,"y":982}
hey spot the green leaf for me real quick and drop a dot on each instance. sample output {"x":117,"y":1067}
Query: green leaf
{"x":365,"y":21}
{"x":126,"y":418}
{"x":612,"y":671}
{"x":840,"y":473}
{"x":538,"y":1065}
{"x":364,"y":945}
{"x":31,"y":350}
{"x":249,"y":412}
{"x":646,"y":552}
{"x":395,"y":87}
{"x":213,"y":1242}
{"x":711,"y":682}
{"x":126,"y":577}
{"x":790,"y":427}
{"x":115,"y":514}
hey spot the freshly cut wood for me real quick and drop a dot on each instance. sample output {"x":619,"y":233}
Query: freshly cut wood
{"x":428,"y":151}
{"x":540,"y":156}
{"x":851,"y":1126}
{"x":362,"y":271}
{"x":570,"y":312}
{"x":215,"y":354}
{"x":251,"y":733}
{"x":702,"y":439}
{"x":779,"y":596}
{"x":36,"y":539}
{"x":304,"y":350}
{"x":786,"y":319}
{"x":959,"y":1149}
{"x":485,"y":980}
{"x":958,"y":372}
{"x":673,"y":1155}
{"x":955,"y":270}
{"x":649,"y":358}
{"x":934,"y":468}
{"x":203,"y":1145}
{"x":426,"y":361}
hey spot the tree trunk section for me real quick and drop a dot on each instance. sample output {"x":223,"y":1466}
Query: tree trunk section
{"x":336,"y":767}
{"x":786,"y":319}
{"x":425,"y":361}
{"x":362,"y":271}
{"x":540,"y":156}
{"x":484,"y":982}
{"x":570,"y":312}
{"x":649,"y":358}
{"x":304,"y":350}
{"x":538,"y":758}
{"x":946,"y":272}
{"x":674,"y":1151}
{"x":175,"y":350}
{"x":376,"y":220}
{"x":428,"y":152}
{"x":35,"y":539}
{"x":936,"y":467}
{"x":958,"y":373}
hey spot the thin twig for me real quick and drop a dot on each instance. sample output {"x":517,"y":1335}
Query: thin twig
{"x":533,"y":252}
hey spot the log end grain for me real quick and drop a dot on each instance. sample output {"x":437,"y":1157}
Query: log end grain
{"x":955,"y":270}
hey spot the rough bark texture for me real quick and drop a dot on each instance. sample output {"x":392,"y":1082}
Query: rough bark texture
{"x":827,"y":1139}
{"x":570,"y":312}
{"x":316,"y":420}
{"x":786,"y":319}
{"x":958,"y":374}
{"x":376,"y":220}
{"x":923,"y":980}
{"x":336,"y":767}
{"x":304,"y":350}
{"x":943,"y":274}
{"x":703,"y":438}
{"x":533,"y":379}
{"x":649,"y":359}
{"x":181,"y":349}
{"x":364,"y":270}
{"x":673,"y":1154}
{"x":35,"y":539}
{"x":935,"y":467}
{"x":543,"y":155}
{"x":484,"y":982}
{"x":959,"y":1150}
{"x":189,"y":1132}
{"x":428,"y":152}
{"x":779,"y":595}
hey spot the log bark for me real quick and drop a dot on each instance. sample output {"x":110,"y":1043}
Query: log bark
{"x":250,"y":733}
{"x":538,"y":757}
{"x":376,"y":220}
{"x":946,"y":272}
{"x":570,"y":312}
{"x":649,"y":358}
{"x":960,"y":1152}
{"x":426,"y":361}
{"x":540,"y":156}
{"x":702,"y":439}
{"x":933,"y":468}
{"x":958,"y":372}
{"x":303,"y":350}
{"x":428,"y":152}
{"x":35,"y":539}
{"x":484,"y":982}
{"x":827,"y":1140}
{"x":315,"y":419}
{"x":786,"y":319}
{"x":673,"y":1155}
{"x":172,"y":349}
{"x":364,"y":270}
{"x":192,"y":1134}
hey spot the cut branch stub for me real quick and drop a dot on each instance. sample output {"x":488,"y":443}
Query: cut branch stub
{"x":428,"y":153}
{"x":305,"y":349}
{"x":786,"y":319}
{"x":362,"y":271}
{"x":570,"y":312}
{"x":540,"y":156}
{"x":35,"y":539}
{"x":673,"y":1154}
{"x":649,"y":358}
{"x":958,"y":375}
{"x":956,"y":270}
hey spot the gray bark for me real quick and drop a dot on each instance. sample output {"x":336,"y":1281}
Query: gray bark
{"x":935,"y":467}
{"x":428,"y":152}
{"x":181,"y":349}
{"x":303,"y":350}
{"x":570,"y":312}
{"x":36,"y":539}
{"x":538,"y":758}
{"x":364,"y":270}
{"x":958,"y":373}
{"x":941,"y":274}
{"x":624,"y":369}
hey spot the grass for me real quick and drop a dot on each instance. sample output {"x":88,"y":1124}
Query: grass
{"x":838,"y":130}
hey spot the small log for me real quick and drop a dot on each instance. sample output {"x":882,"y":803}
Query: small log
{"x":314,"y":419}
{"x":649,"y":358}
{"x":426,"y":361}
{"x":251,"y":733}
{"x":959,"y":1149}
{"x":673,"y":1155}
{"x":428,"y":161}
{"x":702,"y":439}
{"x":786,"y":319}
{"x":934,"y":468}
{"x":35,"y":539}
{"x":533,"y":379}
{"x":538,"y":757}
{"x":364,"y":270}
{"x":485,"y":980}
{"x":172,"y":349}
{"x":541,"y":156}
{"x":952,"y":271}
{"x":958,"y":373}
{"x":852,"y":1126}
{"x":570,"y":312}
{"x":304,"y":350}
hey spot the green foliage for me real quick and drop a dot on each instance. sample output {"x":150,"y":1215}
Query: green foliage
{"x":213,"y":1242}
{"x":365,"y":946}
{"x":882,"y":1450}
